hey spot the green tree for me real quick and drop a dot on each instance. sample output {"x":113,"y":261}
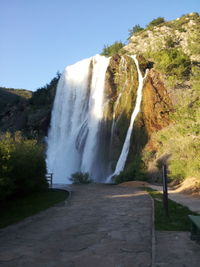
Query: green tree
{"x":134,"y":30}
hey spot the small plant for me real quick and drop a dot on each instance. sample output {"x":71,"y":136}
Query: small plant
{"x":80,"y":178}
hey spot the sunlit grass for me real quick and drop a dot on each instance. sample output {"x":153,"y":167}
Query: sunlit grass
{"x":178,"y":214}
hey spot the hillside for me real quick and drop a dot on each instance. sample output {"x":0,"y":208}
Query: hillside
{"x":174,"y":50}
{"x":26,"y":111}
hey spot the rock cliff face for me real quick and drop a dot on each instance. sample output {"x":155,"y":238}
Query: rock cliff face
{"x":120,"y":94}
{"x":156,"y":104}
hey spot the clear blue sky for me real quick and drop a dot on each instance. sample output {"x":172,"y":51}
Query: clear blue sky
{"x":41,"y":37}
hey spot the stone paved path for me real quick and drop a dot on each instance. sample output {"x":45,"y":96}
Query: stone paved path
{"x":102,"y":225}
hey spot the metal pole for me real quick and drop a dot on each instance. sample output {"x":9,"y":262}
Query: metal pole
{"x":165,"y":190}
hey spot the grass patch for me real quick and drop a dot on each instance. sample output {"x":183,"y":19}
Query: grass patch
{"x":16,"y":209}
{"x":178,"y":214}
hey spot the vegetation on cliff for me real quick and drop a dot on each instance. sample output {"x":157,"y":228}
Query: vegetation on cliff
{"x":174,"y":50}
{"x":168,"y":126}
{"x":110,"y":50}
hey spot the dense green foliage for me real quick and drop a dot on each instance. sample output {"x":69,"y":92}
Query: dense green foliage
{"x":110,"y":50}
{"x":16,"y":209}
{"x":178,"y":214}
{"x":80,"y":178}
{"x":22,"y":166}
{"x":156,"y":22}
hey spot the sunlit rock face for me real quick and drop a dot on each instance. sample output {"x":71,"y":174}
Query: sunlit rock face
{"x":156,"y":103}
{"x":91,"y":117}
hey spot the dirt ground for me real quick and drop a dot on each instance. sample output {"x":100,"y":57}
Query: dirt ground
{"x":189,"y":187}
{"x":135,"y":184}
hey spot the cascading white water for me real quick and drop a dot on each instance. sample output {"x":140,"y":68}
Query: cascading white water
{"x":124,"y":153}
{"x":76,"y":116}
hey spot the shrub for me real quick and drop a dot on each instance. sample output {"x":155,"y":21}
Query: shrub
{"x":169,"y":42}
{"x":80,"y":178}
{"x":110,"y":50}
{"x":22,"y":166}
{"x":135,"y":171}
{"x":156,"y":22}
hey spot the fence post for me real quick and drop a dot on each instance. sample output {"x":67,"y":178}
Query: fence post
{"x":165,"y":190}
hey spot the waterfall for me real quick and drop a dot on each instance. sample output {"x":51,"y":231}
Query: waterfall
{"x":76,"y":118}
{"x":80,"y":137}
{"x":124,"y":153}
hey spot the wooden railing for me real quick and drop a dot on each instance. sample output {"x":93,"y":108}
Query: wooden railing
{"x":49,"y":177}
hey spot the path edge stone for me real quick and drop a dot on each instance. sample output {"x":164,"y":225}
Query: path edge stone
{"x":153,"y":246}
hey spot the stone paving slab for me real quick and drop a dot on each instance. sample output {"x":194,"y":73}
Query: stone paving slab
{"x":101,"y":225}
